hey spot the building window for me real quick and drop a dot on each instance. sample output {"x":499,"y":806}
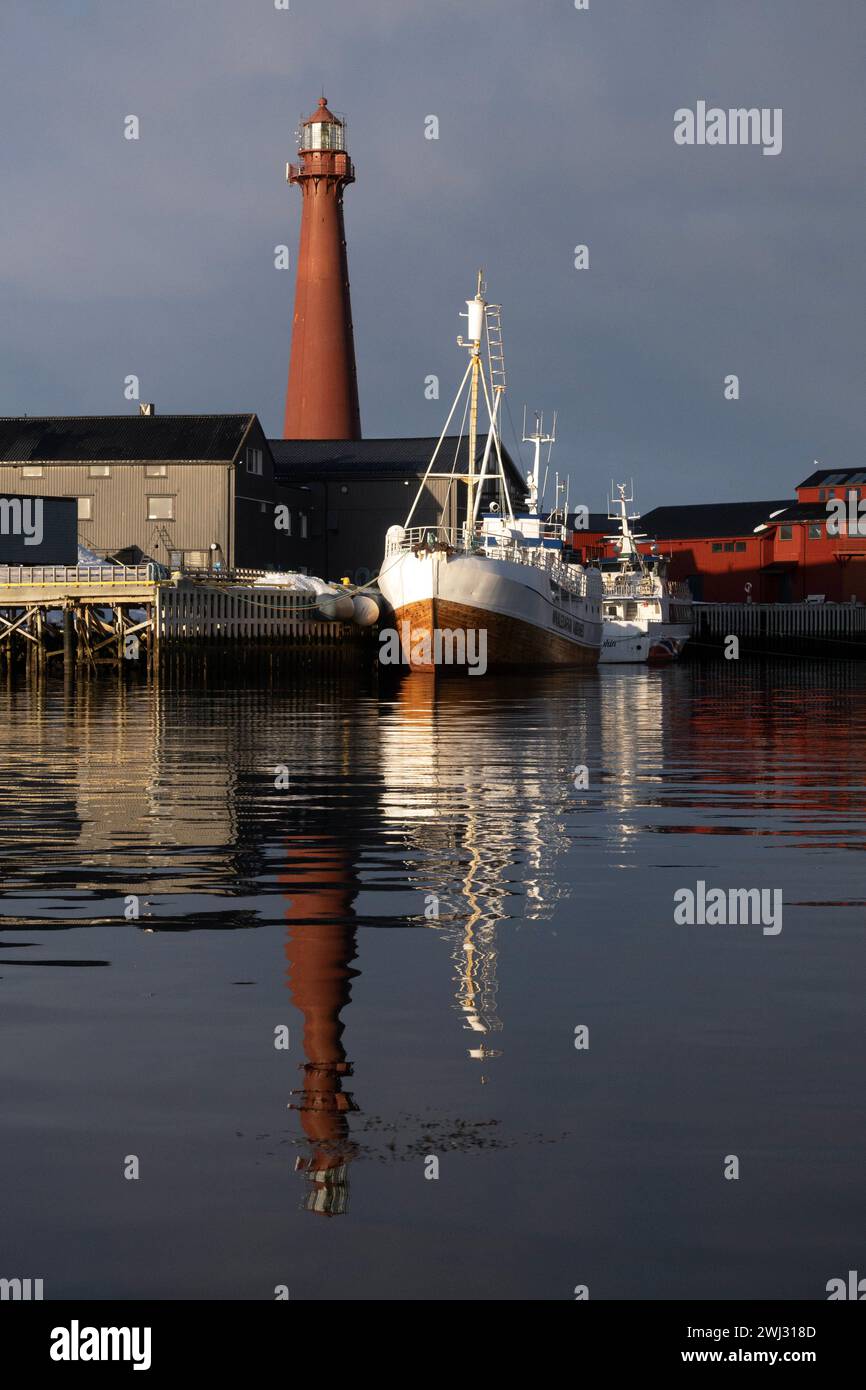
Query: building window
{"x":740,"y":546}
{"x":175,"y":559}
{"x":85,"y":508}
{"x":815,"y":531}
{"x":254,"y":461}
{"x":304,"y":527}
{"x":155,"y":470}
{"x":196,"y":559}
{"x":160,"y":509}
{"x":32,"y":470}
{"x":729,"y":545}
{"x":100,"y":470}
{"x":786,"y":533}
{"x":717,"y":545}
{"x":263,"y":507}
{"x":822,"y":494}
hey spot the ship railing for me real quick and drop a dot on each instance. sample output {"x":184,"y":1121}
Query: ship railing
{"x":628,"y":585}
{"x":575,"y":584}
{"x":464,"y":537}
{"x":422,"y":537}
{"x":522,"y":552}
{"x":416,"y":537}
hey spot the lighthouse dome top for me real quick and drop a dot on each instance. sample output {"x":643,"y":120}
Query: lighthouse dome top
{"x":323,"y":114}
{"x":323,"y":130}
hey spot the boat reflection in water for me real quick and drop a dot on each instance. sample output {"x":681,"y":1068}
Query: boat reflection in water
{"x":479,"y":826}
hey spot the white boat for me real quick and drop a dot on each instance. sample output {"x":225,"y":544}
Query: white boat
{"x":497,"y":584}
{"x":646,"y":616}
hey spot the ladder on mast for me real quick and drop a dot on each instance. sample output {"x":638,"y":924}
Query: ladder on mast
{"x":495,"y":350}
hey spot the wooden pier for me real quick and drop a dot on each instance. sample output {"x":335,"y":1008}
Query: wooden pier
{"x":830,"y":629}
{"x":99,"y":615}
{"x":236,"y":612}
{"x":80,"y":613}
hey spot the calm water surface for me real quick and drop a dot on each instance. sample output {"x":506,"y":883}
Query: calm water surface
{"x":412,"y":1035}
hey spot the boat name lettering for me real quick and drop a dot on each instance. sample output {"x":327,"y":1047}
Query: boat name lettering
{"x":567,"y":624}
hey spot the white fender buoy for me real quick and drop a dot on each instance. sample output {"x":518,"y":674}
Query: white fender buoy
{"x":336,"y":607}
{"x":366,"y":610}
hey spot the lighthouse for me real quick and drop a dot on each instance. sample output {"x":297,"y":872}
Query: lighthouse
{"x":322,"y":391}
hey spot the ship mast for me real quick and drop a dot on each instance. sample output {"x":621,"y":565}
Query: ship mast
{"x":474,"y":329}
{"x":629,"y":554}
{"x":480,"y":316}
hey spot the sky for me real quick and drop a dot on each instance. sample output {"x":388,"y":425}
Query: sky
{"x":155,"y":257}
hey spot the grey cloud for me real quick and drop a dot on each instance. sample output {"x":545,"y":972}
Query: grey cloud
{"x":556,"y":129}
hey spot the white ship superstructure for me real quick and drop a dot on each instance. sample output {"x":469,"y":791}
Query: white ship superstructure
{"x":498,"y":582}
{"x":646,"y":616}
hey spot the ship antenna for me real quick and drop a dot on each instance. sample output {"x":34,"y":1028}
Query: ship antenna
{"x":537,"y":438}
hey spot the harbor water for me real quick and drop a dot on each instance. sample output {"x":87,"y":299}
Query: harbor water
{"x":336,"y":990}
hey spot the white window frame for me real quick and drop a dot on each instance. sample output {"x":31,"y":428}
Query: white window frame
{"x":160,"y":497}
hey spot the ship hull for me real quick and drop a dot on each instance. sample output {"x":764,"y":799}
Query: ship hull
{"x":656,"y":643}
{"x":502,"y":613}
{"x":667,"y":642}
{"x":624,"y":643}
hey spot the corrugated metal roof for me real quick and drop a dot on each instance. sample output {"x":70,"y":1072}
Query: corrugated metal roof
{"x":708,"y":519}
{"x":297,"y":459}
{"x":121,"y":438}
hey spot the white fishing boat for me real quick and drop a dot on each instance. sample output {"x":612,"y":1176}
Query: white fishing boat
{"x":498,"y":583}
{"x":646,"y":616}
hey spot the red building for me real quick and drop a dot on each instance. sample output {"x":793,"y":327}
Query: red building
{"x":776,"y":551}
{"x":587,"y":541}
{"x":716,"y":548}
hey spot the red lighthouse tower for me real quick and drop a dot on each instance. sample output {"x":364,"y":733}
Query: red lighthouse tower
{"x":322,"y":394}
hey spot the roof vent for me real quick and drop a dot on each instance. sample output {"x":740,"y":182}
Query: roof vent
{"x":146,"y":408}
